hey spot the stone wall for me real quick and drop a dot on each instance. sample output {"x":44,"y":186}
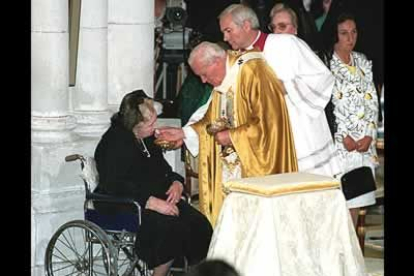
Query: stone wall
{"x":57,"y":192}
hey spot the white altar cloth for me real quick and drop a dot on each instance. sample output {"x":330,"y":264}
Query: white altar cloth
{"x":297,"y":234}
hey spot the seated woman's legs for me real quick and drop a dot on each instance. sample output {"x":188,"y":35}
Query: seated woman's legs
{"x":198,"y":233}
{"x":162,"y":269}
{"x":163,"y":238}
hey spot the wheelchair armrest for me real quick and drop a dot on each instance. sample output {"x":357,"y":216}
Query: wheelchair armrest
{"x":110,"y":198}
{"x":105,"y":198}
{"x":121,"y":200}
{"x":115,"y":213}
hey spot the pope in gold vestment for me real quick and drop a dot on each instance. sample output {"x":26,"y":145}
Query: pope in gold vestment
{"x":261,"y":132}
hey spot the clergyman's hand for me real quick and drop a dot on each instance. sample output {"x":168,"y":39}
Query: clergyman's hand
{"x":223,"y":137}
{"x":170,"y":134}
{"x":162,"y":206}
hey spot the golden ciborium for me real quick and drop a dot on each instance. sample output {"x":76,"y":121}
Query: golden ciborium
{"x":164,"y":145}
{"x":217,"y":126}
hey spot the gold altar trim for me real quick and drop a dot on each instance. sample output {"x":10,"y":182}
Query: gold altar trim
{"x":281,"y":184}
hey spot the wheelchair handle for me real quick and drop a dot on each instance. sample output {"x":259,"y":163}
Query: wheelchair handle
{"x":73,"y":157}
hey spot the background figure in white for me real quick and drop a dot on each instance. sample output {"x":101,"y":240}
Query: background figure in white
{"x":355,"y":107}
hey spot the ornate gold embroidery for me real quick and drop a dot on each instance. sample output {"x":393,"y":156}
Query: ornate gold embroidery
{"x":217,"y":126}
{"x":230,"y":158}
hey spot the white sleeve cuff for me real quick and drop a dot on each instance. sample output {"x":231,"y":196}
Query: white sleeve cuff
{"x":191,"y":140}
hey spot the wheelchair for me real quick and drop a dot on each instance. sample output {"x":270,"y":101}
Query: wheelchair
{"x":102,"y":243}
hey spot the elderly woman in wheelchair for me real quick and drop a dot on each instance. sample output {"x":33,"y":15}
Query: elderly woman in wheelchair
{"x":131,"y":165}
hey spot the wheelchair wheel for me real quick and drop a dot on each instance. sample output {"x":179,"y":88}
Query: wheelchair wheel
{"x":80,"y":247}
{"x":128,"y":262}
{"x":131,"y":266}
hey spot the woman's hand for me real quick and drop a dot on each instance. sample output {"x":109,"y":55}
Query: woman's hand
{"x":349,"y":143}
{"x":363,"y":144}
{"x":162,"y":206}
{"x":174,"y":192}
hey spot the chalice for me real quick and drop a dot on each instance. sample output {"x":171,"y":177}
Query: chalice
{"x":164,"y":144}
{"x":217,"y":126}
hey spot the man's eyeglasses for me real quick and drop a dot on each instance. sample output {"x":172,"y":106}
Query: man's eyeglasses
{"x":279,"y":27}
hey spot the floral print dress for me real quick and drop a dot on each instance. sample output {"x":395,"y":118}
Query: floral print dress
{"x":356,"y":110}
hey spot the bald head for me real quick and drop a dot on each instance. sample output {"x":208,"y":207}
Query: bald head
{"x":205,"y":53}
{"x":208,"y":61}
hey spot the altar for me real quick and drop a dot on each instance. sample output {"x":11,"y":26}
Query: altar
{"x":293,"y":224}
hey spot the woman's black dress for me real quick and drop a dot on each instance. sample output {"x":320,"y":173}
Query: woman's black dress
{"x":126,"y":170}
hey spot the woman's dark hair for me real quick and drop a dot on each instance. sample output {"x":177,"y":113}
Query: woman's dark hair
{"x":341,"y":19}
{"x":213,"y":267}
{"x":129,"y":113}
{"x":338,"y":13}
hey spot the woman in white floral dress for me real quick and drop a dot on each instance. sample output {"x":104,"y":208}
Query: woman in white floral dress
{"x":355,"y":107}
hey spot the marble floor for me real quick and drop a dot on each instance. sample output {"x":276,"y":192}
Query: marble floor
{"x":374,"y":241}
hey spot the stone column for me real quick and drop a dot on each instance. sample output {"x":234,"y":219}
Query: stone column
{"x":90,"y":94}
{"x":130,"y":48}
{"x":52,"y":127}
{"x":50,"y":72}
{"x":57,"y":190}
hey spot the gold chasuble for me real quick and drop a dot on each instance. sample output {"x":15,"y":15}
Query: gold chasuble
{"x":260,"y":133}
